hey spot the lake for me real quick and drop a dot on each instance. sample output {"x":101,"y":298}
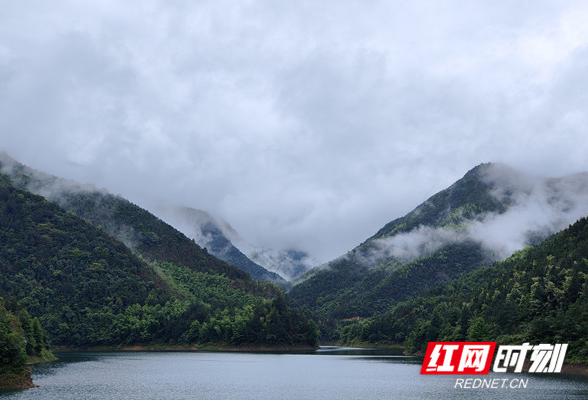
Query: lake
{"x":330,"y":373}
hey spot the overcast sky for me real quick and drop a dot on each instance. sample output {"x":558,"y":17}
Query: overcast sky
{"x":302,"y":123}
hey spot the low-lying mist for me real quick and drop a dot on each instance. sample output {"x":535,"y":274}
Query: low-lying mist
{"x":536,"y":208}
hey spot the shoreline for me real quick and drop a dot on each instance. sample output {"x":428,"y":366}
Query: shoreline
{"x":184,"y":348}
{"x":575,"y":369}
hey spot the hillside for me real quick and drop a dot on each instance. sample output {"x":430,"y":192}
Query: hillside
{"x":539,"y":295}
{"x":88,"y":288}
{"x":134,"y":226}
{"x":482,"y":218}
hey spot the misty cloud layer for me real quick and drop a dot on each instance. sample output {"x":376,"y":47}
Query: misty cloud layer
{"x":540,"y":207}
{"x":305,"y":124}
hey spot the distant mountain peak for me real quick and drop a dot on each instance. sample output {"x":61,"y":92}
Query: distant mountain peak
{"x":216,"y":236}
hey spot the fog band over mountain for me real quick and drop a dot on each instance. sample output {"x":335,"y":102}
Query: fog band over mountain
{"x":536,"y":208}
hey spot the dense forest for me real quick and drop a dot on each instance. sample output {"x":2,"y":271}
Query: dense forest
{"x":366,"y":292}
{"x":22,"y":340}
{"x":540,"y":294}
{"x":89,"y":289}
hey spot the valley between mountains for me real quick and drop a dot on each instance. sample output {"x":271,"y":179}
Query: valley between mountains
{"x":497,"y":256}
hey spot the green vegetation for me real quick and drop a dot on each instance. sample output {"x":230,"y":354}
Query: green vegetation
{"x":132,"y":225}
{"x":88,"y":289}
{"x":97,"y":270}
{"x":540,"y":294}
{"x":455,"y":293}
{"x":389,"y":284}
{"x":142,"y":232}
{"x":225,"y":315}
{"x":22,"y":340}
{"x":347,"y":292}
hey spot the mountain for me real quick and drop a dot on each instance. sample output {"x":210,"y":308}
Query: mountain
{"x":112,"y":213}
{"x":138,"y":229}
{"x":216,"y":235}
{"x":98,"y":270}
{"x":482,"y":218}
{"x":225,"y":243}
{"x":538,"y":295}
{"x":213,"y":234}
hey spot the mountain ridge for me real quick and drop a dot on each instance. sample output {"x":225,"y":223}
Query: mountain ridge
{"x":538,"y":295}
{"x":85,"y":200}
{"x":485,"y":216}
{"x":90,"y":289}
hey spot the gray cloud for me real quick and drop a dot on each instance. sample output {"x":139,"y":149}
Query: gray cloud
{"x":544,"y":208}
{"x":305,"y":125}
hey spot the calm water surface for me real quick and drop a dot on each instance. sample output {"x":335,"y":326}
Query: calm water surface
{"x":328,"y":374}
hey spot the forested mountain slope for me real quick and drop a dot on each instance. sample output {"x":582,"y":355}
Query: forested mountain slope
{"x":87,"y":288}
{"x":136,"y":227}
{"x":482,"y":218}
{"x":539,"y":295}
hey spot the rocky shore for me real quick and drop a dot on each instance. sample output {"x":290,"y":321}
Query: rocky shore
{"x":17,"y":381}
